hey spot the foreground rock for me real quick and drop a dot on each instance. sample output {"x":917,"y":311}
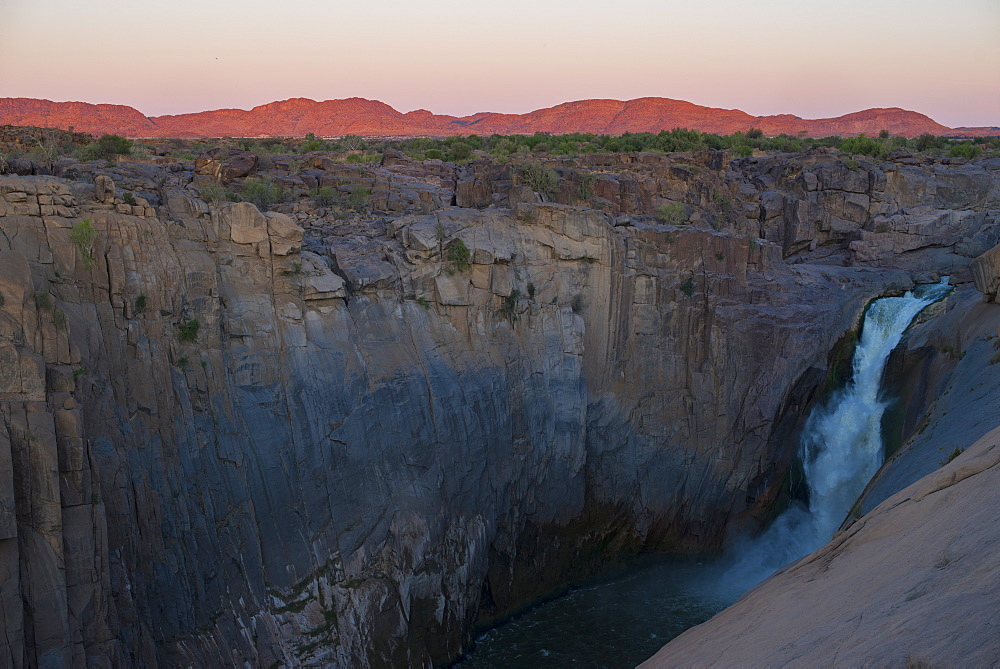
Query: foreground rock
{"x":914,"y":583}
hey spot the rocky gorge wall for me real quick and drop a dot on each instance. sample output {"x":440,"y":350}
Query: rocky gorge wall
{"x":366,"y":448}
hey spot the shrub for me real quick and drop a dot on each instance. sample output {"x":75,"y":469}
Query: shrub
{"x":539,"y":178}
{"x":324,"y":196}
{"x":311,"y":143}
{"x":722,"y":200}
{"x":352,"y":142}
{"x":531,"y":290}
{"x":213,"y":193}
{"x":928,"y":141}
{"x":295,"y":270}
{"x":433,"y":154}
{"x":139,"y":306}
{"x":107,"y":148}
{"x":510,"y":304}
{"x":460,"y":151}
{"x":671,"y":214}
{"x":586,"y":183}
{"x":954,"y":454}
{"x":754,"y":133}
{"x":43,"y":300}
{"x":83,"y":235}
{"x":966,"y":150}
{"x":458,"y":256}
{"x":865,"y":146}
{"x":577,"y":303}
{"x":263,"y":192}
{"x":359,"y":197}
{"x":688,"y":286}
{"x":188,"y":330}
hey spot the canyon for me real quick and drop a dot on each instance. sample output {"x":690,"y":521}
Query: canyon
{"x":358,"y":116}
{"x":293,"y":437}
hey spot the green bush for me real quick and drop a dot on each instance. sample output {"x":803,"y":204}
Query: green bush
{"x":107,"y":148}
{"x":213,"y":193}
{"x":311,"y":143}
{"x":722,"y":200}
{"x":139,"y":306}
{"x":687,"y":287}
{"x":671,"y":214}
{"x":187,"y":331}
{"x":433,"y":154}
{"x":263,"y":192}
{"x":83,"y":235}
{"x":539,"y":178}
{"x":43,"y":300}
{"x":458,"y":256}
{"x":359,"y":197}
{"x":459,"y":151}
{"x":965,"y":150}
{"x":324,"y":196}
{"x":509,"y":307}
{"x":363,"y":158}
{"x":928,"y":141}
{"x":865,"y":146}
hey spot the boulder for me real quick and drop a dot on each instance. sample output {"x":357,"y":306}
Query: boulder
{"x":225,"y":164}
{"x":104,"y":189}
{"x":286,"y":234}
{"x":521,"y":194}
{"x":246,"y":224}
{"x":986,"y":273}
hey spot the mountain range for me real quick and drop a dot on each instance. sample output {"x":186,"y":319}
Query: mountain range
{"x":359,"y":116}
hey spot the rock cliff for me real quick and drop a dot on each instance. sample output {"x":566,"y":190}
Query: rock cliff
{"x":231,"y":436}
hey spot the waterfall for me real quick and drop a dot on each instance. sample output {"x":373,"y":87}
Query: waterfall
{"x":841,"y":449}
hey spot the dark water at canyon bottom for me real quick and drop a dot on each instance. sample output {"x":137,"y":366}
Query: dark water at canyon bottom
{"x":615,"y":623}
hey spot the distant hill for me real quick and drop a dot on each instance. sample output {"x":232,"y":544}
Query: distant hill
{"x":358,"y":116}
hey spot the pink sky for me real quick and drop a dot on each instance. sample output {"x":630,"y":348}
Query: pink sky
{"x":814,"y":60}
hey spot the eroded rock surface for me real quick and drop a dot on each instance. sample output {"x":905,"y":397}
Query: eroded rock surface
{"x":365,"y":447}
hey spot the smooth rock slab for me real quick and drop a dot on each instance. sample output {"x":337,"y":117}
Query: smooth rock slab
{"x":914,"y":583}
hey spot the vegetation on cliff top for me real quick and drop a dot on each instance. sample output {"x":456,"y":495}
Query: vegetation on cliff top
{"x":46,"y":145}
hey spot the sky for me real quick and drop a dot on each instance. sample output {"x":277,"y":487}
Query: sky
{"x":813,"y":59}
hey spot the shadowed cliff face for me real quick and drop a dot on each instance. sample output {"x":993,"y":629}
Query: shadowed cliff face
{"x":367,"y":447}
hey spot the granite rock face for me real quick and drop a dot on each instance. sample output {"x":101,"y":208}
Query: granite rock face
{"x":364,"y":447}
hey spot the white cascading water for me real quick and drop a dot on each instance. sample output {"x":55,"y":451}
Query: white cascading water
{"x":841,"y":449}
